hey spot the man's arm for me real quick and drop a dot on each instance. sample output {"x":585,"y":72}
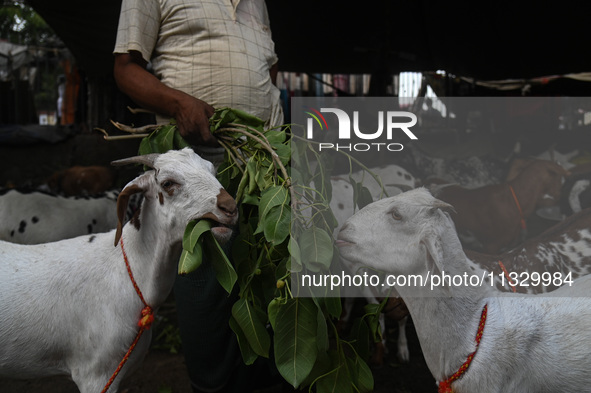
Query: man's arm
{"x":191,"y":114}
{"x":273,"y":72}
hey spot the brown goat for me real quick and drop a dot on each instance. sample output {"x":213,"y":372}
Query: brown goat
{"x":495,"y":214}
{"x":82,"y":180}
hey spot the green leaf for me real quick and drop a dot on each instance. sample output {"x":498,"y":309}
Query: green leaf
{"x":179,"y":142}
{"x":251,"y":200}
{"x":187,"y":235}
{"x":274,"y":214}
{"x":284,"y":153}
{"x":322,"y":366}
{"x":323,"y":182}
{"x":162,"y":139}
{"x":145,"y":146}
{"x":281,"y":270}
{"x":272,"y":310}
{"x":271,"y":197}
{"x":326,"y":218}
{"x":297,"y":153}
{"x":264,"y":285}
{"x":317,"y":249}
{"x":243,"y":252}
{"x":322,"y":332}
{"x":253,"y":325}
{"x":360,"y":333}
{"x":244,"y":181}
{"x":252,"y":169}
{"x":295,"y":339}
{"x":248,"y":355}
{"x":223,"y":116}
{"x":373,"y":308}
{"x":295,"y":255}
{"x":165,"y":138}
{"x":333,"y":306}
{"x":190,"y":261}
{"x":275,"y":137}
{"x":263,"y":179}
{"x":193,"y":232}
{"x":276,"y":224}
{"x":372,"y":316}
{"x":192,"y":255}
{"x":224,"y":271}
{"x":364,"y":197}
{"x":339,"y":380}
{"x":362,"y":375}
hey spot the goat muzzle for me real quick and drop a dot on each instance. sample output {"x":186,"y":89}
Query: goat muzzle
{"x":227,"y":205}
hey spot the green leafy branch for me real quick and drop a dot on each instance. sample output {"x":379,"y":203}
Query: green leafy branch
{"x":285,"y":227}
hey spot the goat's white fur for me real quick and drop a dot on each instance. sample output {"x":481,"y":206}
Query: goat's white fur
{"x":69,"y":307}
{"x":531,"y":343}
{"x":38,"y":217}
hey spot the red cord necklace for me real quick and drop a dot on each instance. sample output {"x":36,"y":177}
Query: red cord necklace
{"x":445,"y":386}
{"x":146,"y":319}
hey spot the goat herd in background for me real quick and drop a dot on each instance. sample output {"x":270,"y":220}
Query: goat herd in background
{"x":524,"y":342}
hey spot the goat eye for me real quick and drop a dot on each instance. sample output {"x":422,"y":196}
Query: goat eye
{"x":396,"y":215}
{"x":167,"y":184}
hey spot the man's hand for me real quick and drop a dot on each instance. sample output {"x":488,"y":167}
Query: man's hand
{"x":192,"y":119}
{"x":191,"y":114}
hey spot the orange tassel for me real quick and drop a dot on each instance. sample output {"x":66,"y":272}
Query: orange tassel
{"x":147,"y":318}
{"x":445,"y":387}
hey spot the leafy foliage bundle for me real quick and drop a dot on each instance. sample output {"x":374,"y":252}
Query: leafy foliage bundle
{"x":284,"y":229}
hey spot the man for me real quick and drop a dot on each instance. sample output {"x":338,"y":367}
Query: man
{"x":203,"y":55}
{"x":181,"y":59}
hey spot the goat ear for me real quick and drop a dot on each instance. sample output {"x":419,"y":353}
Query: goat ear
{"x":122,"y":202}
{"x":432,"y":242}
{"x":432,"y":235}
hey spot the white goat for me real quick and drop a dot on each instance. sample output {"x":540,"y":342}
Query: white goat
{"x":38,"y":217}
{"x":530,"y":343}
{"x":394,"y":180}
{"x":69,"y":307}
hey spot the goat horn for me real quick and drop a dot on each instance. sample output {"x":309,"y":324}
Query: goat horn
{"x":443,"y":206}
{"x":146,"y":159}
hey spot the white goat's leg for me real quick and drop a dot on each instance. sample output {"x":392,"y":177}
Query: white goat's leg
{"x":402,"y":344}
